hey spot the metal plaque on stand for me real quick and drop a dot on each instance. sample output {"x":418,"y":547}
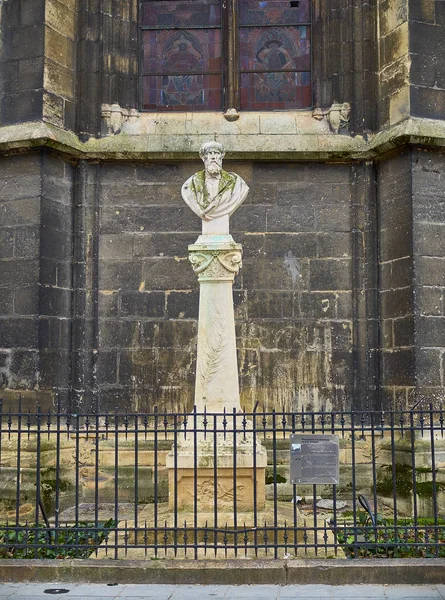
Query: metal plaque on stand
{"x":314,"y":458}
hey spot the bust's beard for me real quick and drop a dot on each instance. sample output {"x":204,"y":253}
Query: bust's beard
{"x":213,"y":169}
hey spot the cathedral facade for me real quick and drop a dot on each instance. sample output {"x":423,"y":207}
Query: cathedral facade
{"x":332,"y":111}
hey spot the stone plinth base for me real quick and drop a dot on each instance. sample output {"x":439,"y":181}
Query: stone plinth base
{"x":184,"y":483}
{"x":192,"y":463}
{"x":282,"y":524}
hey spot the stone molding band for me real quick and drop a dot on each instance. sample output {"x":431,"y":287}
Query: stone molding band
{"x":428,"y":133}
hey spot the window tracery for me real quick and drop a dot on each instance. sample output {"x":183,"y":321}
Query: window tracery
{"x":246,"y":54}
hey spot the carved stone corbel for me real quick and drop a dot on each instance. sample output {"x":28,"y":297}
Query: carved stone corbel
{"x":337,"y":116}
{"x":116,"y":119}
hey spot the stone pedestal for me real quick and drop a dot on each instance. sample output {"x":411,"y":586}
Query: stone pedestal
{"x":240,"y":460}
{"x":244,"y":489}
{"x":216,"y":259}
{"x":225,"y":497}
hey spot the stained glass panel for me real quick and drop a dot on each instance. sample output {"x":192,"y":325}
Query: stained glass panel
{"x":275,"y":49}
{"x":274,"y":12}
{"x":186,"y":13}
{"x":183,"y":51}
{"x":275,"y":91}
{"x":182,"y":65}
{"x":182,"y":92}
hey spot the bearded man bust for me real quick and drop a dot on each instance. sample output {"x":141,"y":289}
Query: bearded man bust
{"x":214,"y":194}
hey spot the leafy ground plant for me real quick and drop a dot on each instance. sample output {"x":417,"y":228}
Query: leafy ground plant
{"x":38,"y":541}
{"x":386,"y":539}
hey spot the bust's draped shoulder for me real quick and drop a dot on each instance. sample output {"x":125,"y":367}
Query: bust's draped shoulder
{"x":232,"y":192}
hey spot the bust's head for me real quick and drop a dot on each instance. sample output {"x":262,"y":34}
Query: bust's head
{"x":212,"y":154}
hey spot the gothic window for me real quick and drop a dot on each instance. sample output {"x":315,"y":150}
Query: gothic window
{"x":208,"y":55}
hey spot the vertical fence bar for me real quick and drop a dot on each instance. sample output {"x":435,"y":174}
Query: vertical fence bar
{"x":394,"y":478}
{"x":1,"y":430}
{"x":314,"y":499}
{"x":255,"y":488}
{"x":433,"y":473}
{"x":215,"y":484}
{"x":354,"y":487}
{"x":235,"y":513}
{"x":294,"y":496}
{"x":334,"y":495}
{"x":136,"y":478}
{"x":77,"y":467}
{"x":116,"y":484}
{"x":155,"y":481}
{"x":374,"y":476}
{"x":195,"y":483}
{"x":96,"y":476}
{"x":275,"y":487}
{"x":38,"y":483}
{"x":19,"y":474}
{"x":414,"y":478}
{"x":175,"y":483}
{"x":58,"y":451}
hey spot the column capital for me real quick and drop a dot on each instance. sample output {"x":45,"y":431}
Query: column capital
{"x":215,"y":260}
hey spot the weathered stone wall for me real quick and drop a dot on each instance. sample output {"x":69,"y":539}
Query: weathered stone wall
{"x":429,"y":273}
{"x":56,"y":260}
{"x":59,"y":106}
{"x":346,"y":57}
{"x":21,"y":60}
{"x":411,"y":268}
{"x":35,"y":285}
{"x":340,"y":300}
{"x":108,"y":59}
{"x":20,"y":189}
{"x":427,"y":53}
{"x":394,"y":61}
{"x":397,"y":377}
{"x":292,"y":297}
{"x":411,"y":75}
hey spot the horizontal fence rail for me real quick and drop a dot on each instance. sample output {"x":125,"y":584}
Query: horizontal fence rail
{"x":192,"y":485}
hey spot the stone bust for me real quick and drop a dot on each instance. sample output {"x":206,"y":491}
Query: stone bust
{"x":214,"y":194}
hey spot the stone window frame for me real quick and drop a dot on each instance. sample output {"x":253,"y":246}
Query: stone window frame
{"x":231,"y":64}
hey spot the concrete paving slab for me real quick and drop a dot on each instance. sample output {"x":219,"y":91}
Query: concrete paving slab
{"x":258,"y":591}
{"x":159,"y":591}
{"x":425,"y":597}
{"x":441,"y":589}
{"x":222,"y":592}
{"x":37,"y":590}
{"x":396,"y":592}
{"x":363,"y":590}
{"x":202,"y":595}
{"x":94,"y":590}
{"x":291,"y":592}
{"x":6,"y":589}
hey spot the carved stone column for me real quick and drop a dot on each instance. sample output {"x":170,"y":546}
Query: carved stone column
{"x":216,"y":259}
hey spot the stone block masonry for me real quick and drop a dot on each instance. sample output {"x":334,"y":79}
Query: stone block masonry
{"x":340,"y":300}
{"x":35,"y":288}
{"x":292,"y":297}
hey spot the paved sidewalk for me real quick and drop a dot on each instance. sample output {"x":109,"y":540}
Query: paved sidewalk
{"x":19,"y":591}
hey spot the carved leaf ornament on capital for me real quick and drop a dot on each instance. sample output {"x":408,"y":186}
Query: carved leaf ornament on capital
{"x":216,"y":265}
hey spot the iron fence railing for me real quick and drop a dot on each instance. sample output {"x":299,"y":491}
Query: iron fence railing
{"x":208,"y":485}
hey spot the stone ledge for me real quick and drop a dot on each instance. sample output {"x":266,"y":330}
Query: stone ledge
{"x":255,"y":146}
{"x":272,"y":572}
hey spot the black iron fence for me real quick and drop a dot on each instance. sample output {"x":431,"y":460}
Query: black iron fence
{"x":218,"y":485}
